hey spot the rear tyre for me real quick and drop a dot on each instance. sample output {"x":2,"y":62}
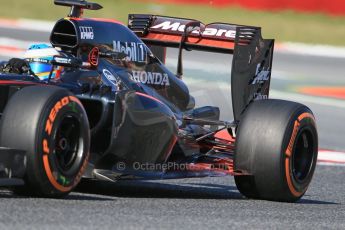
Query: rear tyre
{"x":51,"y":125}
{"x":277,"y":145}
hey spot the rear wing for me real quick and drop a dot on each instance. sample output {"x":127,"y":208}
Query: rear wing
{"x":252,"y":55}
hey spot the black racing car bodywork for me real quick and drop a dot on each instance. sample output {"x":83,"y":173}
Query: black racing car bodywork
{"x":139,"y":112}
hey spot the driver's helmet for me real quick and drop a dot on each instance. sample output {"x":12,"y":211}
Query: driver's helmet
{"x":38,"y":57}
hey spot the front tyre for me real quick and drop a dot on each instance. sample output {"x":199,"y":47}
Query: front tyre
{"x":51,"y":125}
{"x":277,"y":145}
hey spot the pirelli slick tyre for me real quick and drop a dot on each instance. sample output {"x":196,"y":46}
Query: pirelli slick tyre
{"x":277,"y":146}
{"x":51,"y":125}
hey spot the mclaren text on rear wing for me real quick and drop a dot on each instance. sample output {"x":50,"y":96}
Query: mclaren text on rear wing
{"x":252,"y":55}
{"x":168,"y":31}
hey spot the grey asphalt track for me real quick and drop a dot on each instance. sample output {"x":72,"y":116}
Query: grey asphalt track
{"x":207,"y":203}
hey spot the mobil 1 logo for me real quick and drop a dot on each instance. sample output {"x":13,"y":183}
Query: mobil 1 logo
{"x":136,"y":52}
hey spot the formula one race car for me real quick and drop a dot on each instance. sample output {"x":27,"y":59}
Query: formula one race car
{"x":100,"y":104}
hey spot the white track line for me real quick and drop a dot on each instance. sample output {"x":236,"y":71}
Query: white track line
{"x":287,"y":47}
{"x":311,"y":50}
{"x":306,"y":98}
{"x":27,"y":24}
{"x":324,"y":101}
{"x":15,"y":43}
{"x":16,"y":48}
{"x":328,"y":157}
{"x":221,"y":68}
{"x":10,"y":47}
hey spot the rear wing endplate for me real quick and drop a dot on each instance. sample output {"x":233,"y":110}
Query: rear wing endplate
{"x":252,"y":55}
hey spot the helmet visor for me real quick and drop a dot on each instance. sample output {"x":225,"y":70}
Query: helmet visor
{"x":38,"y":67}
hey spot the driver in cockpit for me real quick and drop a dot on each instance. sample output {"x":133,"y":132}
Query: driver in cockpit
{"x":36,"y":62}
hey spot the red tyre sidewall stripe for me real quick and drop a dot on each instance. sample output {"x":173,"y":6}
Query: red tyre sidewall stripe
{"x":64,"y":101}
{"x":288,"y":154}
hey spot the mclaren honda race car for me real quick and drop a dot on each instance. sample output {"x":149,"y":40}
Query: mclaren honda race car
{"x":108,"y":109}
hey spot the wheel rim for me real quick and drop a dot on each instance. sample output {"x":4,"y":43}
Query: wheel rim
{"x":303,"y":156}
{"x":68,"y":145}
